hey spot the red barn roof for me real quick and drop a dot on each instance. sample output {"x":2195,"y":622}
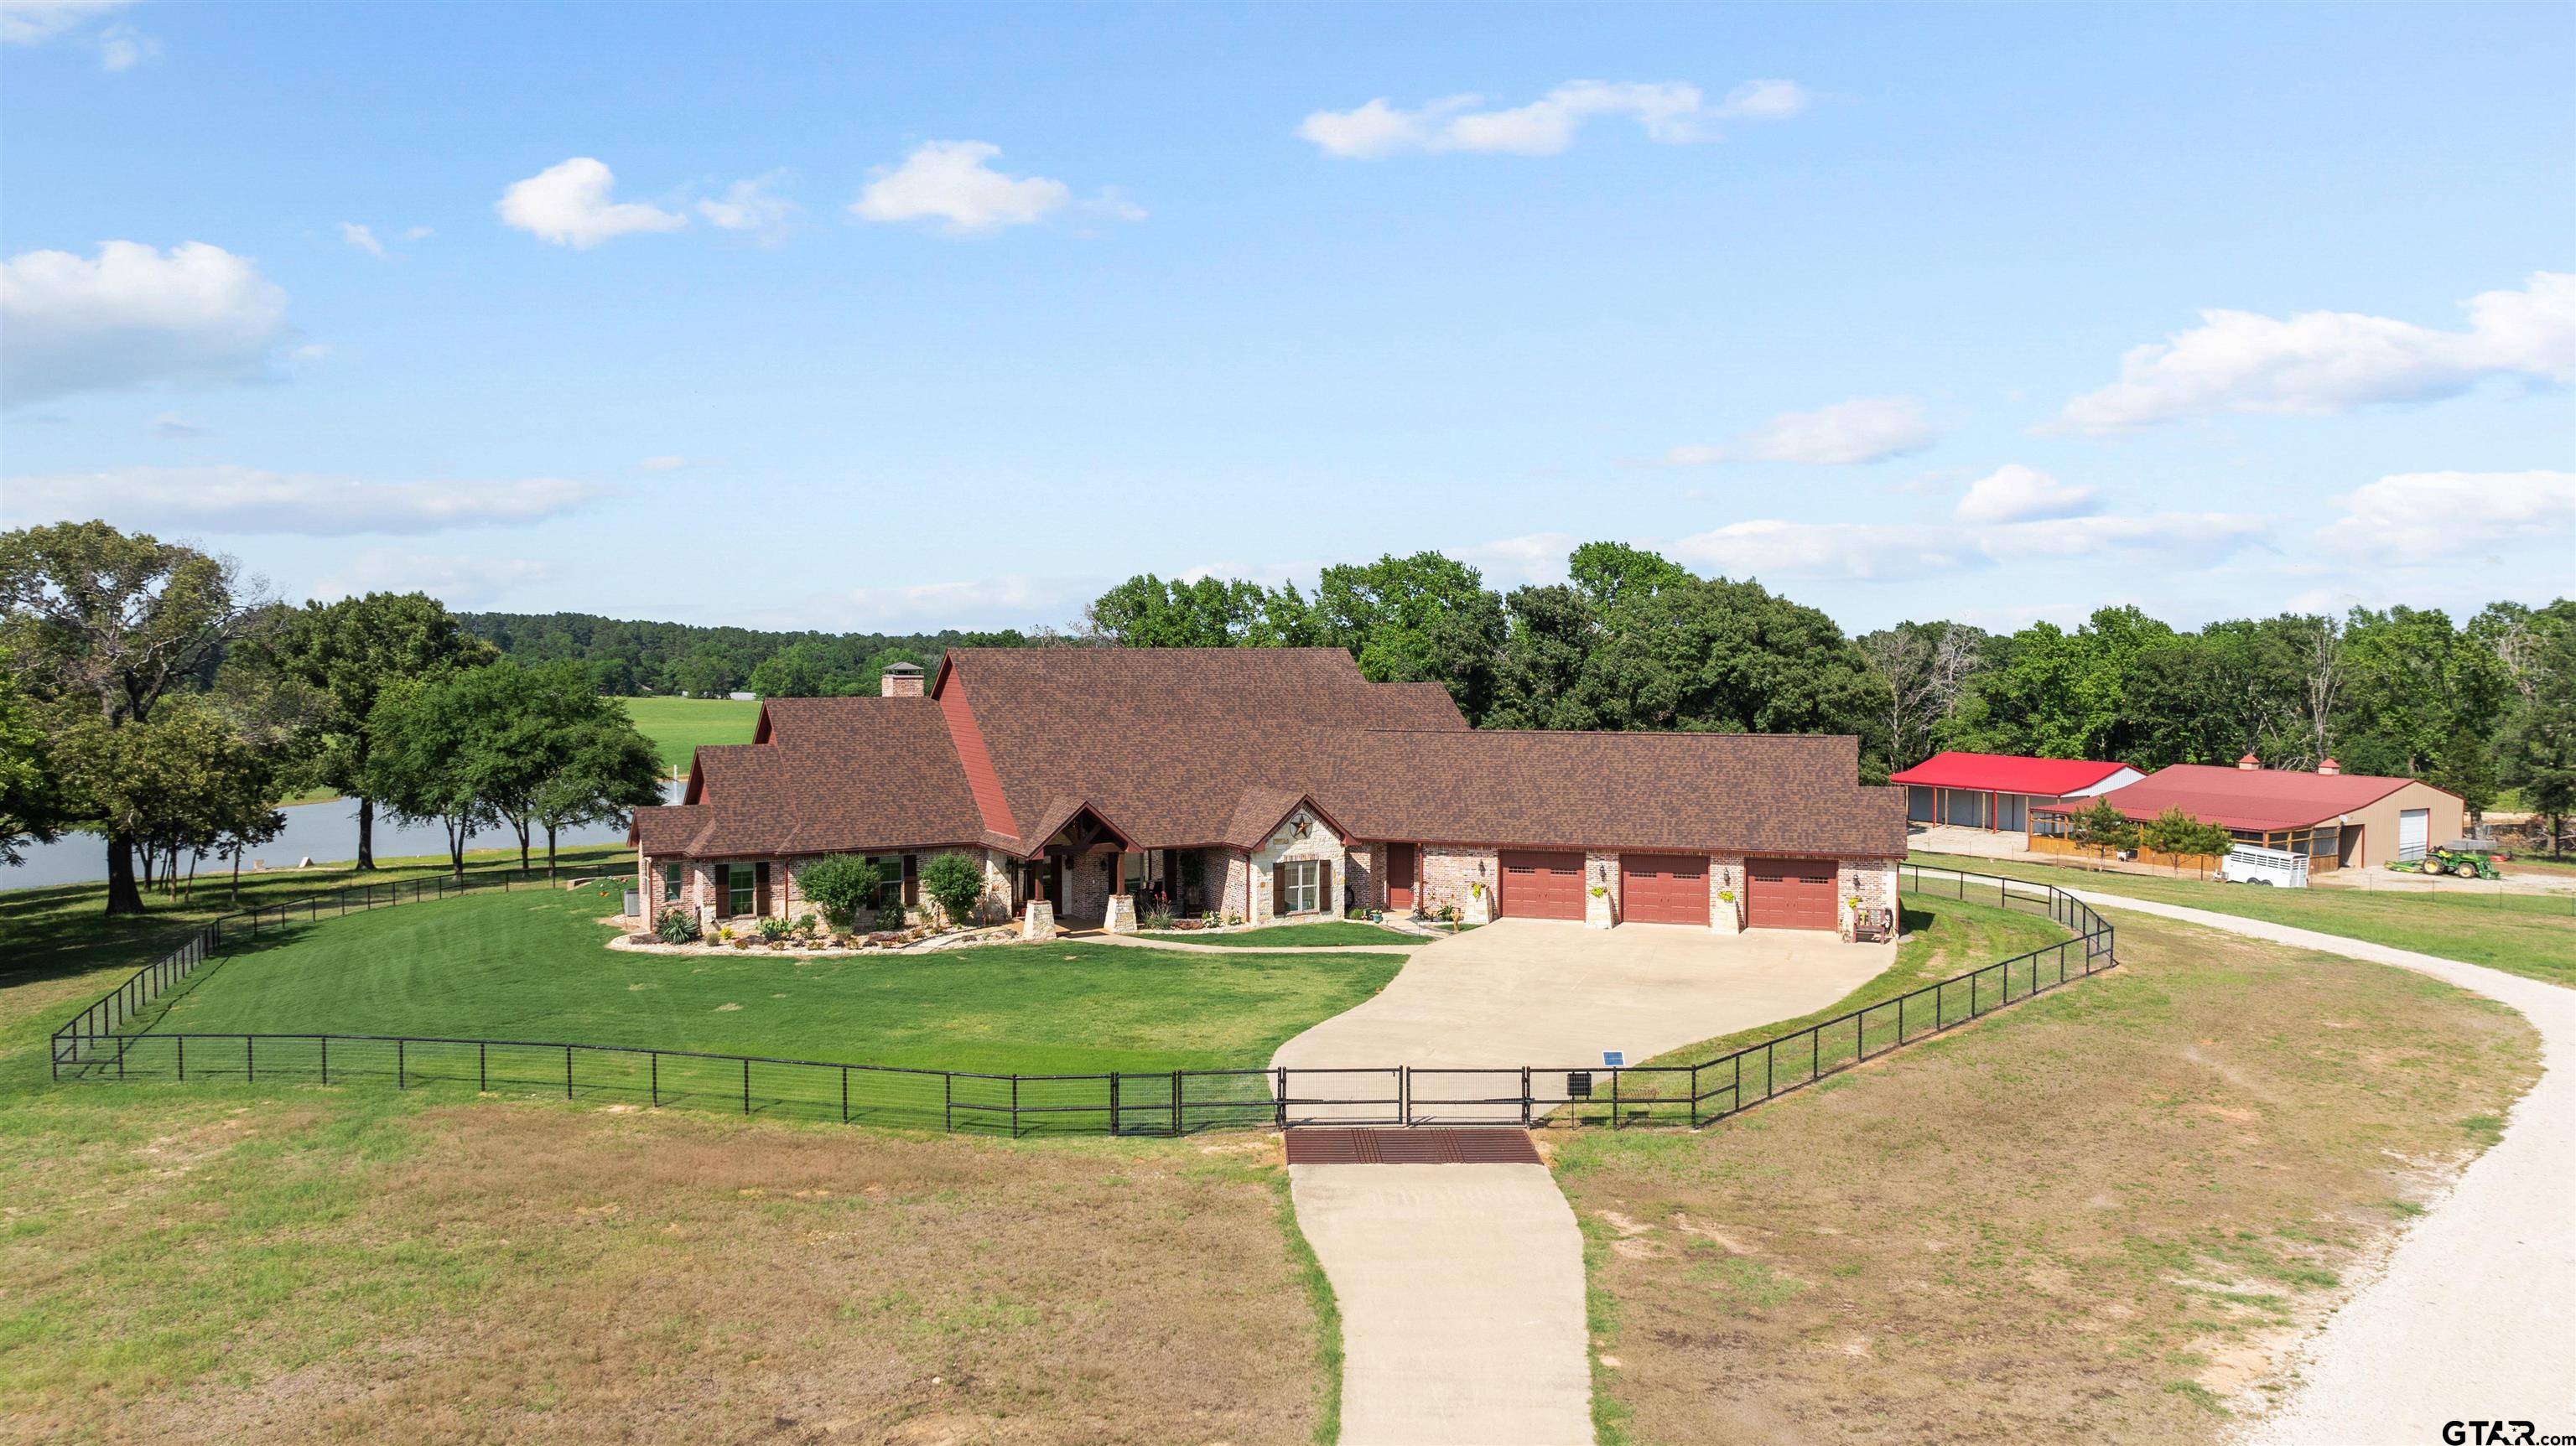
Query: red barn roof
{"x":2007,"y":773}
{"x":2254,"y":799}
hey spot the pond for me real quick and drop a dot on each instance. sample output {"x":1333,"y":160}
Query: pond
{"x":323,"y":832}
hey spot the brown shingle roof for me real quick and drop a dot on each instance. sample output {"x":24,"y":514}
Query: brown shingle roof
{"x":1690,"y":792}
{"x":1182,"y":747}
{"x":837,"y":774}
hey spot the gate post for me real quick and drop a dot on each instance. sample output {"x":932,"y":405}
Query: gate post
{"x":1525,"y":1097}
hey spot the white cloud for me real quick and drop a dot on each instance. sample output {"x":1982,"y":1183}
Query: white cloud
{"x":750,"y":205}
{"x":2015,"y":493}
{"x":949,"y":181}
{"x":2321,"y":362}
{"x":229,"y":499}
{"x":196,"y":315}
{"x":122,"y":47}
{"x":171,"y":427}
{"x":1533,"y":558}
{"x":1764,"y":100}
{"x":1668,"y":111}
{"x":568,"y":205}
{"x":459,"y":582}
{"x":2422,"y":517}
{"x":361,"y":237}
{"x":1883,"y":552}
{"x":1864,"y":429}
{"x":33,"y":22}
{"x":1011,"y":600}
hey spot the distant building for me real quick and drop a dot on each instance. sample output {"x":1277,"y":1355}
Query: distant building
{"x":2338,"y":819}
{"x":1996,"y":791}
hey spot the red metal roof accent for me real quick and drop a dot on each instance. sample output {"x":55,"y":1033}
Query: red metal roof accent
{"x":973,"y":756}
{"x":1491,"y":1145}
{"x":2248,"y":798}
{"x":2007,"y":773}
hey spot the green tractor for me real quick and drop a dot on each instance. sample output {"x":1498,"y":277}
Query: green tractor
{"x":2461,"y":859}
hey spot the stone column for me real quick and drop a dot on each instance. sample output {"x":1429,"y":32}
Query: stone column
{"x":1122,"y":914}
{"x":1039,"y":923}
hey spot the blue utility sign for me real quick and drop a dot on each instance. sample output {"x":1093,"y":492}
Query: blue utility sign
{"x":1614,"y":1059}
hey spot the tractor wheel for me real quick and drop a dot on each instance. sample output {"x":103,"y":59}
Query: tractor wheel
{"x":2465,"y":868}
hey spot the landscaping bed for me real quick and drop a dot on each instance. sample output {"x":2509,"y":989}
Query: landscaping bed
{"x":1322,"y":935}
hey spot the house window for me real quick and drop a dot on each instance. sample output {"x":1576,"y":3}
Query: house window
{"x":1305,"y":886}
{"x":736,"y":882}
{"x":889,"y":881}
{"x":671,"y":881}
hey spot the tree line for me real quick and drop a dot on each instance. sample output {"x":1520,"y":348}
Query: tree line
{"x":1632,"y":640}
{"x":156,"y":696}
{"x":638,"y":659}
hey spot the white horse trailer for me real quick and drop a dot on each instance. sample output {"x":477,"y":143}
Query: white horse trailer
{"x":2255,"y":864}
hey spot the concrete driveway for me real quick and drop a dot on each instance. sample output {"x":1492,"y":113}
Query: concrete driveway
{"x":1539,"y":992}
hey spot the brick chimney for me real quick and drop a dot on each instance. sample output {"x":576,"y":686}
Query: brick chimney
{"x":899,"y":680}
{"x":2329,"y":768}
{"x":2249,"y":763}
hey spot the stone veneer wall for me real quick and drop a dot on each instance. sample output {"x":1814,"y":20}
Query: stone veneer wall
{"x":1233,"y":896}
{"x":1873,"y":881}
{"x":1448,"y":870}
{"x":1600,"y":871}
{"x":1359,"y":862}
{"x":787,"y":898}
{"x":1285,"y":846}
{"x":1726,"y":876}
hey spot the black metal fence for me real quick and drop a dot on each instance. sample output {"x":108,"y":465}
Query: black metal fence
{"x":95,"y":1045}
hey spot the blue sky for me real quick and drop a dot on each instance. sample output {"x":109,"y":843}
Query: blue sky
{"x":878,"y":317}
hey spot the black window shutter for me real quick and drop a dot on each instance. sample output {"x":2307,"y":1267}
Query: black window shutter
{"x":760,"y":889}
{"x":1278,"y":889}
{"x":724,"y":891}
{"x":911,"y":880}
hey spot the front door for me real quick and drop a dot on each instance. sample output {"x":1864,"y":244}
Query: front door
{"x":1399,"y":876}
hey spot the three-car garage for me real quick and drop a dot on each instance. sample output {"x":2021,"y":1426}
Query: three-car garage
{"x":1779,"y":893}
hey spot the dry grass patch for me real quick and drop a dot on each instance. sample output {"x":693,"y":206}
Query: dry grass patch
{"x":2100,"y":1215}
{"x":311,"y":1265}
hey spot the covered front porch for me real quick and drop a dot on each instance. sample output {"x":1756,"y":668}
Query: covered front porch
{"x":1087,"y":861}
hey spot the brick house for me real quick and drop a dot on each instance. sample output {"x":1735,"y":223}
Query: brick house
{"x":1267,"y":784}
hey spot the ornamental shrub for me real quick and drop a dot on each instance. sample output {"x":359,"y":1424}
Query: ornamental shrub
{"x":774,"y":929}
{"x":676,"y":926}
{"x":955,"y":882}
{"x":842,"y":884}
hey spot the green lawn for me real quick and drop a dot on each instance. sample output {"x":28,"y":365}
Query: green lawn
{"x":2528,"y":934}
{"x":63,"y":929}
{"x":532,"y":966}
{"x":678,"y":726}
{"x":1330,"y":934}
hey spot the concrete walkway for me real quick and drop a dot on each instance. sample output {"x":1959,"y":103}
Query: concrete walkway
{"x":1542,"y":992}
{"x":1461,"y":1291}
{"x":1461,"y":1286}
{"x":2474,"y":1314}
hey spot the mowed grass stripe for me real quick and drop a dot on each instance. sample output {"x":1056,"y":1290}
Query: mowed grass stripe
{"x":534,"y":966}
{"x":2533,"y":935}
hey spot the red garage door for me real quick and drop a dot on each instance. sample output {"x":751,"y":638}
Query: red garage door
{"x":1542,"y":886}
{"x":1789,"y":893}
{"x":1663,"y":889}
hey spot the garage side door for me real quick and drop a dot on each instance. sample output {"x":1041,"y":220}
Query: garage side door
{"x":1541,"y":886}
{"x":1663,"y":889}
{"x":1789,"y":893}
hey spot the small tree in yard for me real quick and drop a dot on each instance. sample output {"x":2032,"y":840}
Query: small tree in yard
{"x":955,"y":882}
{"x":2102,"y":827}
{"x":841,"y":885}
{"x":2178,"y":833}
